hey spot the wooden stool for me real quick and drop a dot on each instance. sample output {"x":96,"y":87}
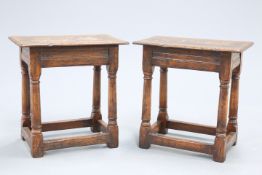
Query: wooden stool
{"x":223,"y":57}
{"x":60,"y":51}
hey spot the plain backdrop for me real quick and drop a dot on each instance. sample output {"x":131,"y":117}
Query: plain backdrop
{"x":193,"y":95}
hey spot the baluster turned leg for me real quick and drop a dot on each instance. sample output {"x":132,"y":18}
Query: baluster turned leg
{"x":144,"y":140}
{"x":112,"y":127}
{"x":162,"y":115}
{"x":36,"y":132}
{"x":219,"y":153}
{"x":233,"y":107}
{"x":96,"y":114}
{"x":25,"y":119}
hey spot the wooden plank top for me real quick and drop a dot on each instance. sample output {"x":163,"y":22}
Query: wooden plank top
{"x":67,"y":40}
{"x":199,"y":44}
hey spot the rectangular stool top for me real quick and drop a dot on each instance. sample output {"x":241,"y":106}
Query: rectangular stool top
{"x":67,"y":40}
{"x":199,"y":44}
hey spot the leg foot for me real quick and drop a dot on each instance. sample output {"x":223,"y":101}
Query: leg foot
{"x":37,"y":145}
{"x":144,"y":141}
{"x":219,"y":153}
{"x":113,"y":136}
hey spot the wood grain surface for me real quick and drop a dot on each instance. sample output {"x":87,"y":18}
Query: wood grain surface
{"x":67,"y":40}
{"x":199,"y":44}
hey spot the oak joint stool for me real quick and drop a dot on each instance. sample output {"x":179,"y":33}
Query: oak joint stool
{"x":39,"y":52}
{"x":223,"y":57}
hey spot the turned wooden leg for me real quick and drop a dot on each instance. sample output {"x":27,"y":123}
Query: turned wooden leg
{"x":219,"y":152}
{"x":112,"y":127}
{"x":25,"y":119}
{"x":162,"y":115}
{"x":144,"y":139}
{"x":233,"y":107}
{"x":96,"y":114}
{"x":36,"y":132}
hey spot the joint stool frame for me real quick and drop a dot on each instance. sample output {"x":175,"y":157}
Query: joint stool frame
{"x":159,"y":51}
{"x":39,"y":52}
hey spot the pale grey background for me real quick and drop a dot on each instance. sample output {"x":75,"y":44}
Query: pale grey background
{"x":193,"y":95}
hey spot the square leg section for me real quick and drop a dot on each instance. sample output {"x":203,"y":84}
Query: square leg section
{"x":154,"y":136}
{"x":103,"y":137}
